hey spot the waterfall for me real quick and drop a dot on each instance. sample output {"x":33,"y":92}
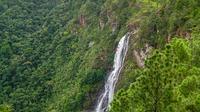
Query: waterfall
{"x":107,"y":95}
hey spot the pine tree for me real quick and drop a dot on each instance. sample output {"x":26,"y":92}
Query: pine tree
{"x":163,"y":84}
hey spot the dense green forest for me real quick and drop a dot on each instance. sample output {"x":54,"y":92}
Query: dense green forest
{"x":55,"y":55}
{"x":170,"y":80}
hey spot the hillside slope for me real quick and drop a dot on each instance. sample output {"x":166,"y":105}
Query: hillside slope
{"x":54,"y":54}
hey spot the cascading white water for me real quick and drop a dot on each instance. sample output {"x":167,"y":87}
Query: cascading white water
{"x":107,"y":95}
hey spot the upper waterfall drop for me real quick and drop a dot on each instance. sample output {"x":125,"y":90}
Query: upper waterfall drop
{"x":108,"y":93}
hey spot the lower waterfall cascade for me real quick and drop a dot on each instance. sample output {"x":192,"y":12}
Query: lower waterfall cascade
{"x":106,"y":96}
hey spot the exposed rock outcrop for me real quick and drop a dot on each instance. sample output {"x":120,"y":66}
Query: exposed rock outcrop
{"x":103,"y":19}
{"x":114,"y":26}
{"x":82,"y":20}
{"x":141,"y":55}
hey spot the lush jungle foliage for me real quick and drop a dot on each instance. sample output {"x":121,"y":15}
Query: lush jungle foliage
{"x":170,"y":81}
{"x":55,"y":54}
{"x":49,"y":61}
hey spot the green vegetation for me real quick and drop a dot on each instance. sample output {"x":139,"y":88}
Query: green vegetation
{"x":170,"y":80}
{"x":5,"y":108}
{"x":169,"y":83}
{"x":55,"y":54}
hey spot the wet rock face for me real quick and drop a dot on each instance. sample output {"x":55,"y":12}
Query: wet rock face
{"x":109,"y":15}
{"x":114,"y":26}
{"x":141,"y":55}
{"x":138,"y":59}
{"x":112,"y":21}
{"x":101,"y":24}
{"x":181,"y":33}
{"x":82,"y":20}
{"x":103,"y":19}
{"x":133,"y":27}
